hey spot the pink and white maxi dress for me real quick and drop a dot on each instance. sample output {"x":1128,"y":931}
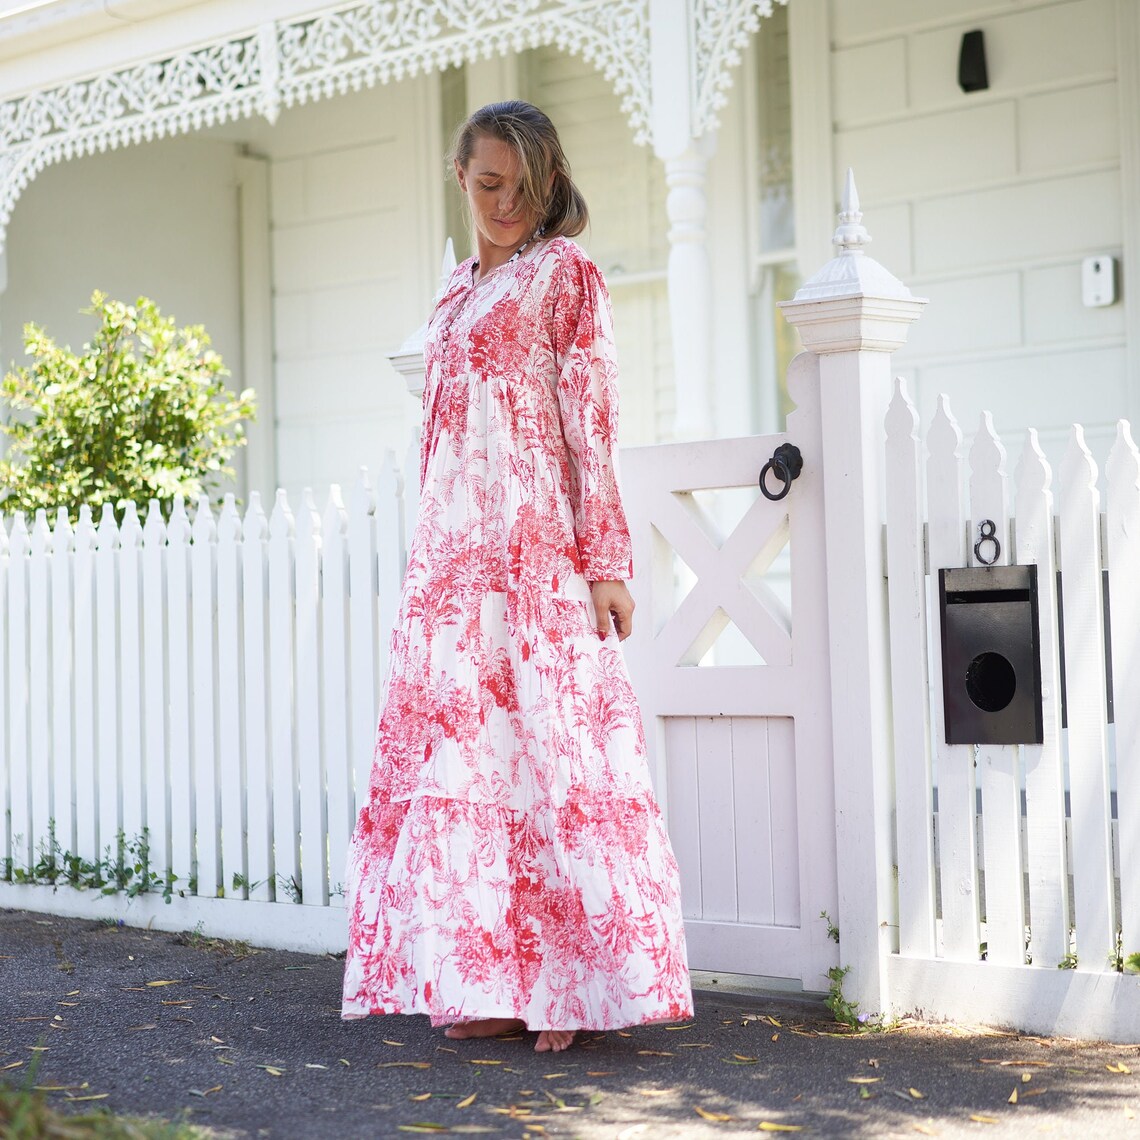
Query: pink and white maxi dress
{"x":511,"y":859}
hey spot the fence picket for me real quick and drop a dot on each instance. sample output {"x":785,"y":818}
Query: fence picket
{"x":156,"y":769}
{"x":6,"y":851}
{"x":62,"y":695}
{"x":202,"y":622}
{"x":283,"y":779}
{"x":130,"y":676}
{"x":335,"y":706}
{"x":366,"y":633}
{"x":39,"y":679}
{"x":997,"y":768}
{"x":307,"y":706}
{"x":110,"y":784}
{"x":86,"y":710}
{"x":1085,"y":690}
{"x":953,"y":764}
{"x":259,"y":794}
{"x":906,"y":580}
{"x":1123,"y":503}
{"x":20,"y":792}
{"x":231,"y":761}
{"x":1044,"y":763}
{"x":182,"y":793}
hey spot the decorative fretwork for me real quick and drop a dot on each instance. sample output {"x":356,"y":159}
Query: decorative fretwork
{"x":330,"y":52}
{"x":721,"y":30}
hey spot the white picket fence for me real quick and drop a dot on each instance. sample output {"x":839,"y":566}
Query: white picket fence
{"x":1056,"y":892}
{"x":211,"y":683}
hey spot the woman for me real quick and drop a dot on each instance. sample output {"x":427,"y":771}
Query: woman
{"x":511,"y":867}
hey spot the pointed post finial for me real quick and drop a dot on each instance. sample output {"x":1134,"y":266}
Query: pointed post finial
{"x":850,"y":235}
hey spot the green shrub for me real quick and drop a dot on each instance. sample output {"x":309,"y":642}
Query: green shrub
{"x":141,"y":413}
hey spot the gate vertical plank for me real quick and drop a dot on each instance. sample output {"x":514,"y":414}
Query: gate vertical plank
{"x":336,"y":709}
{"x":110,"y":796}
{"x":62,"y":694}
{"x":997,"y":765}
{"x":231,"y":702}
{"x":307,"y":702}
{"x":20,"y":792}
{"x":203,"y":618}
{"x":784,"y":794}
{"x":157,"y":766}
{"x":258,"y":770}
{"x":286,"y":806}
{"x":1044,"y":763}
{"x":953,"y":764}
{"x":684,"y":814}
{"x":39,"y":678}
{"x":130,"y":676}
{"x":85,"y":706}
{"x":715,"y":797}
{"x":1082,"y":603}
{"x":367,"y":635}
{"x":910,"y":668}
{"x":1123,"y":504}
{"x":182,"y":790}
{"x":756,"y":872}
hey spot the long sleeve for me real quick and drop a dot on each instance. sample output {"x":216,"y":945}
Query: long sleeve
{"x":587,"y":396}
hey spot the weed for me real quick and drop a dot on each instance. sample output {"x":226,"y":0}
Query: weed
{"x":1068,"y":962}
{"x":832,"y":929}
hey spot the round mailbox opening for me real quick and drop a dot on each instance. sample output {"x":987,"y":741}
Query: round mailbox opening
{"x":990,"y":682}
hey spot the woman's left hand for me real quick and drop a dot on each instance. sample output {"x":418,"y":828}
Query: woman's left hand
{"x":612,"y":600}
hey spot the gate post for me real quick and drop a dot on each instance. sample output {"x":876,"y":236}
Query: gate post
{"x":852,"y":314}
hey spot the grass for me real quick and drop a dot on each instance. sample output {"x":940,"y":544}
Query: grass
{"x":25,"y":1114}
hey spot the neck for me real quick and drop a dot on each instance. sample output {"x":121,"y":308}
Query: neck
{"x":491,"y":257}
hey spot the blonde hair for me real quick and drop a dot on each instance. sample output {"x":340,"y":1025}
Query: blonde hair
{"x":547,"y":189}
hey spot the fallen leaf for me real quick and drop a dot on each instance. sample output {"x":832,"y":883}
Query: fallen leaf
{"x":1015,"y":1064}
{"x":183,"y":1002}
{"x":421,"y":1096}
{"x":316,"y":1066}
{"x":72,"y":993}
{"x":205,"y":1092}
{"x":272,"y":1070}
{"x":422,"y":1126}
{"x":978,"y":1119}
{"x":653,"y":1092}
{"x":467,"y":1101}
{"x":925,"y":1130}
{"x":1128,"y":1113}
{"x":93,"y":1096}
{"x":865,"y":1093}
{"x":694,"y":1045}
{"x":345,"y":1063}
{"x":550,"y":1076}
{"x":675,"y":1027}
{"x":13,"y":1065}
{"x":484,"y":1062}
{"x":403,"y":1064}
{"x":775,"y":1037}
{"x":611,"y":1073}
{"x":704,"y":1114}
{"x":916,"y":1094}
{"x":166,"y":982}
{"x":652,"y":1053}
{"x":1119,"y":1067}
{"x":398,"y":1044}
{"x":72,"y":1004}
{"x":863,"y":1080}
{"x":139,"y":1028}
{"x":1026,"y":1078}
{"x":768,"y":1126}
{"x":621,"y":1033}
{"x":773,"y":1021}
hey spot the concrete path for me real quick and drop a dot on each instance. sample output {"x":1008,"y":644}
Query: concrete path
{"x":253,"y":1047}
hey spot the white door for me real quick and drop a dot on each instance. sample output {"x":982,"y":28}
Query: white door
{"x":730,"y":660}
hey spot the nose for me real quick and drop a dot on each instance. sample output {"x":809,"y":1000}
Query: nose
{"x":508,"y":200}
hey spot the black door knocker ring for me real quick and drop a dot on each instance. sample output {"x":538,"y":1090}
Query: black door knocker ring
{"x":786,"y":463}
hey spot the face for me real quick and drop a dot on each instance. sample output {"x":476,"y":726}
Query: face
{"x":491,"y":183}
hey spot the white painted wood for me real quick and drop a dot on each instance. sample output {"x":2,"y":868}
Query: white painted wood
{"x":133,"y":806}
{"x":1044,"y":763}
{"x":231,"y":700}
{"x":286,"y":869}
{"x":62,"y":692}
{"x":392,"y":540}
{"x":307,"y":706}
{"x":1085,"y":691}
{"x":367,"y":636}
{"x":39,"y":682}
{"x":85,"y":704}
{"x":183,"y":797}
{"x":1127,"y":90}
{"x":715,"y":795}
{"x":906,"y":581}
{"x":255,"y":644}
{"x":20,"y":793}
{"x":953,"y":763}
{"x":5,"y":780}
{"x":997,"y":766}
{"x":203,"y":622}
{"x":1123,"y":549}
{"x":109,"y":778}
{"x":680,"y":740}
{"x":156,"y":768}
{"x":786,"y":797}
{"x":756,"y":865}
{"x":336,"y":709}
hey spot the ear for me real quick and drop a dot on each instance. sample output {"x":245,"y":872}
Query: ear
{"x":460,"y":176}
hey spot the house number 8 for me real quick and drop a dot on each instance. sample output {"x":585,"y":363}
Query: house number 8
{"x":987,"y":532}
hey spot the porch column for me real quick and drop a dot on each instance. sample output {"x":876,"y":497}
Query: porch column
{"x":852,"y":314}
{"x":686,"y":157}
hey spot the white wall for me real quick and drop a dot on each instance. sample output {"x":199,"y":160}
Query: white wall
{"x":987,"y":202}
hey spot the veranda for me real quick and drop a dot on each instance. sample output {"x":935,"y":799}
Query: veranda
{"x":203,"y":689}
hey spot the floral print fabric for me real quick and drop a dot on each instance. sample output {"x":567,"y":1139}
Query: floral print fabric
{"x":511,"y":860}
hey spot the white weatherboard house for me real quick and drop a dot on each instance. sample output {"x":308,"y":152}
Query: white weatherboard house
{"x":273,"y":170}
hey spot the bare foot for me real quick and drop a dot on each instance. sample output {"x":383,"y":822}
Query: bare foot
{"x":484,"y":1027}
{"x":555,"y":1040}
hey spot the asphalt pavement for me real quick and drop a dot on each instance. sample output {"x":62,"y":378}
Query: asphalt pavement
{"x":252,"y":1045}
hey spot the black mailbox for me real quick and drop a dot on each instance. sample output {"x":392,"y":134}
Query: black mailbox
{"x":991,"y":666}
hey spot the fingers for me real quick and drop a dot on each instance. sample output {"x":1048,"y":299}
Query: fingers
{"x":613,"y":609}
